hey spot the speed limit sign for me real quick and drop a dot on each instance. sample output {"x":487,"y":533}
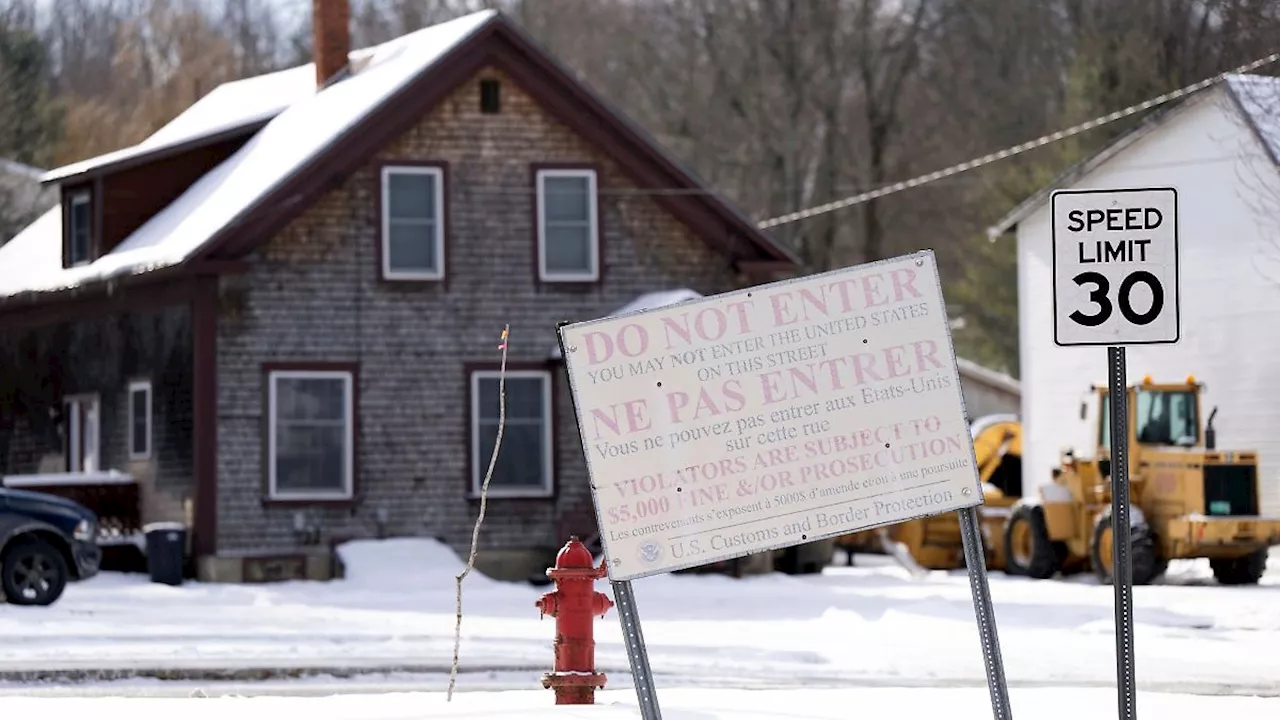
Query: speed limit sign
{"x":1115,"y":267}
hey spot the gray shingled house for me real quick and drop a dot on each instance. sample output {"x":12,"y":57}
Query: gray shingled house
{"x":277,"y":316}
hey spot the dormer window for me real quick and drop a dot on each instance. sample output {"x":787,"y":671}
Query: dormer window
{"x":79,"y":228}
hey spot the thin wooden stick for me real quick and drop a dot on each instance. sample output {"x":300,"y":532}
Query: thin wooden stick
{"x":484,"y":493}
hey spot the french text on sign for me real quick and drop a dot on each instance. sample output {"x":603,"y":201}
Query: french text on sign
{"x":1115,"y":267}
{"x":770,"y":417}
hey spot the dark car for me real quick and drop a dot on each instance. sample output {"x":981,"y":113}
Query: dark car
{"x":45,"y":542}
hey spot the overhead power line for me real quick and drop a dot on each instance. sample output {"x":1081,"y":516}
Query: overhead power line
{"x":1014,"y":150}
{"x":623,"y":191}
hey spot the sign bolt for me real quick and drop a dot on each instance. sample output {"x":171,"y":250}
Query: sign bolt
{"x":965,"y":491}
{"x":573,"y":348}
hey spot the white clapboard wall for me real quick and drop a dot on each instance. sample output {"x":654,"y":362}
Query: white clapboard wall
{"x":1230,"y":257}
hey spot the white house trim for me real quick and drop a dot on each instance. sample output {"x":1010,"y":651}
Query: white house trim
{"x":593,"y":227}
{"x":480,"y":465}
{"x":143,"y":386}
{"x":83,"y":415}
{"x":438,"y":222}
{"x":348,"y":486}
{"x":74,"y":201}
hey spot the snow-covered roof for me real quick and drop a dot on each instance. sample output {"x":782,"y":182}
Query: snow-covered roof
{"x":311,"y":122}
{"x":661,"y":298}
{"x":19,"y":169}
{"x":232,"y":105}
{"x":984,"y":374}
{"x":1257,"y":97}
{"x":302,"y":128}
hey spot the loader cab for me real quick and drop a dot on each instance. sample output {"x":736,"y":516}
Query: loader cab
{"x":1160,"y":415}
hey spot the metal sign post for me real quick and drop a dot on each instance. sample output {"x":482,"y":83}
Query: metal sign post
{"x":976,"y":562}
{"x":1122,"y":570}
{"x":771,"y":417}
{"x":1115,"y":283}
{"x":637,"y":655}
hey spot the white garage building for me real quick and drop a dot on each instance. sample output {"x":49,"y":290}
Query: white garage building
{"x":1221,"y":149}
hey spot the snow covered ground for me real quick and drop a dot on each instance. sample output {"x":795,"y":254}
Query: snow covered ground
{"x":869,"y":626}
{"x":953,"y":704}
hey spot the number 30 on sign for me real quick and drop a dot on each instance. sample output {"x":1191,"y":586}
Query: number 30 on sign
{"x":1115,"y":267}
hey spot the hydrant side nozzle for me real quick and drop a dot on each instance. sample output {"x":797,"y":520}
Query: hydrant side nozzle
{"x":600,"y":604}
{"x":547,"y":604}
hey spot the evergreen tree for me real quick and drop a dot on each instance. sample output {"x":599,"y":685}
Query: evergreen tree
{"x":29,"y":119}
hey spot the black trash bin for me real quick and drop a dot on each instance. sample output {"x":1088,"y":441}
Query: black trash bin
{"x":166,"y":550}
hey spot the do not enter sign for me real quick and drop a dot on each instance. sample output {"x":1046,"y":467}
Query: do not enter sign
{"x":1115,"y":267}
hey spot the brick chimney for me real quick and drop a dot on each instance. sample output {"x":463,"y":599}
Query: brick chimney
{"x":330,"y":37}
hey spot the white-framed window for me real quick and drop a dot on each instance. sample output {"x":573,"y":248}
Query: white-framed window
{"x":311,"y":435}
{"x":140,"y":420}
{"x":413,"y":220}
{"x":81,"y":440}
{"x":568,"y":236}
{"x":79,"y":228}
{"x":524,"y":464}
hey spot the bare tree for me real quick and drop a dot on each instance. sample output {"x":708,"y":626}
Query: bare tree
{"x":777,"y":104}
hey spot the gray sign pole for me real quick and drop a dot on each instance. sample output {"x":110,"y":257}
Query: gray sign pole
{"x":976,"y":560}
{"x":1095,"y":275}
{"x":1122,"y":569}
{"x":637,"y":655}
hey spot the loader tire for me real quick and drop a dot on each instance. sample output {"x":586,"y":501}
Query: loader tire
{"x":1245,"y":570}
{"x":1027,"y":548}
{"x":1144,"y":558}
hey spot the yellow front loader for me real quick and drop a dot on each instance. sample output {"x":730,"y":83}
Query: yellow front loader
{"x":934,"y":543}
{"x":1188,"y":499}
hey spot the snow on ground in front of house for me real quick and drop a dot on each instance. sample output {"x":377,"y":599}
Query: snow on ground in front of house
{"x":871,"y":624}
{"x":808,"y":704}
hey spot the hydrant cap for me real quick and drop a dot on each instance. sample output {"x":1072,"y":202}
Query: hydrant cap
{"x":574,"y":555}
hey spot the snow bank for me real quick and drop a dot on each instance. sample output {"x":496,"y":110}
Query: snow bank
{"x":405,"y":564}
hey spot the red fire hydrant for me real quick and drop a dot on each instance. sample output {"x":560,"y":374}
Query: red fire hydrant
{"x":574,"y":604}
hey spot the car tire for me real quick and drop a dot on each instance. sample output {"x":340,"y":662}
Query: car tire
{"x":32,"y":572}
